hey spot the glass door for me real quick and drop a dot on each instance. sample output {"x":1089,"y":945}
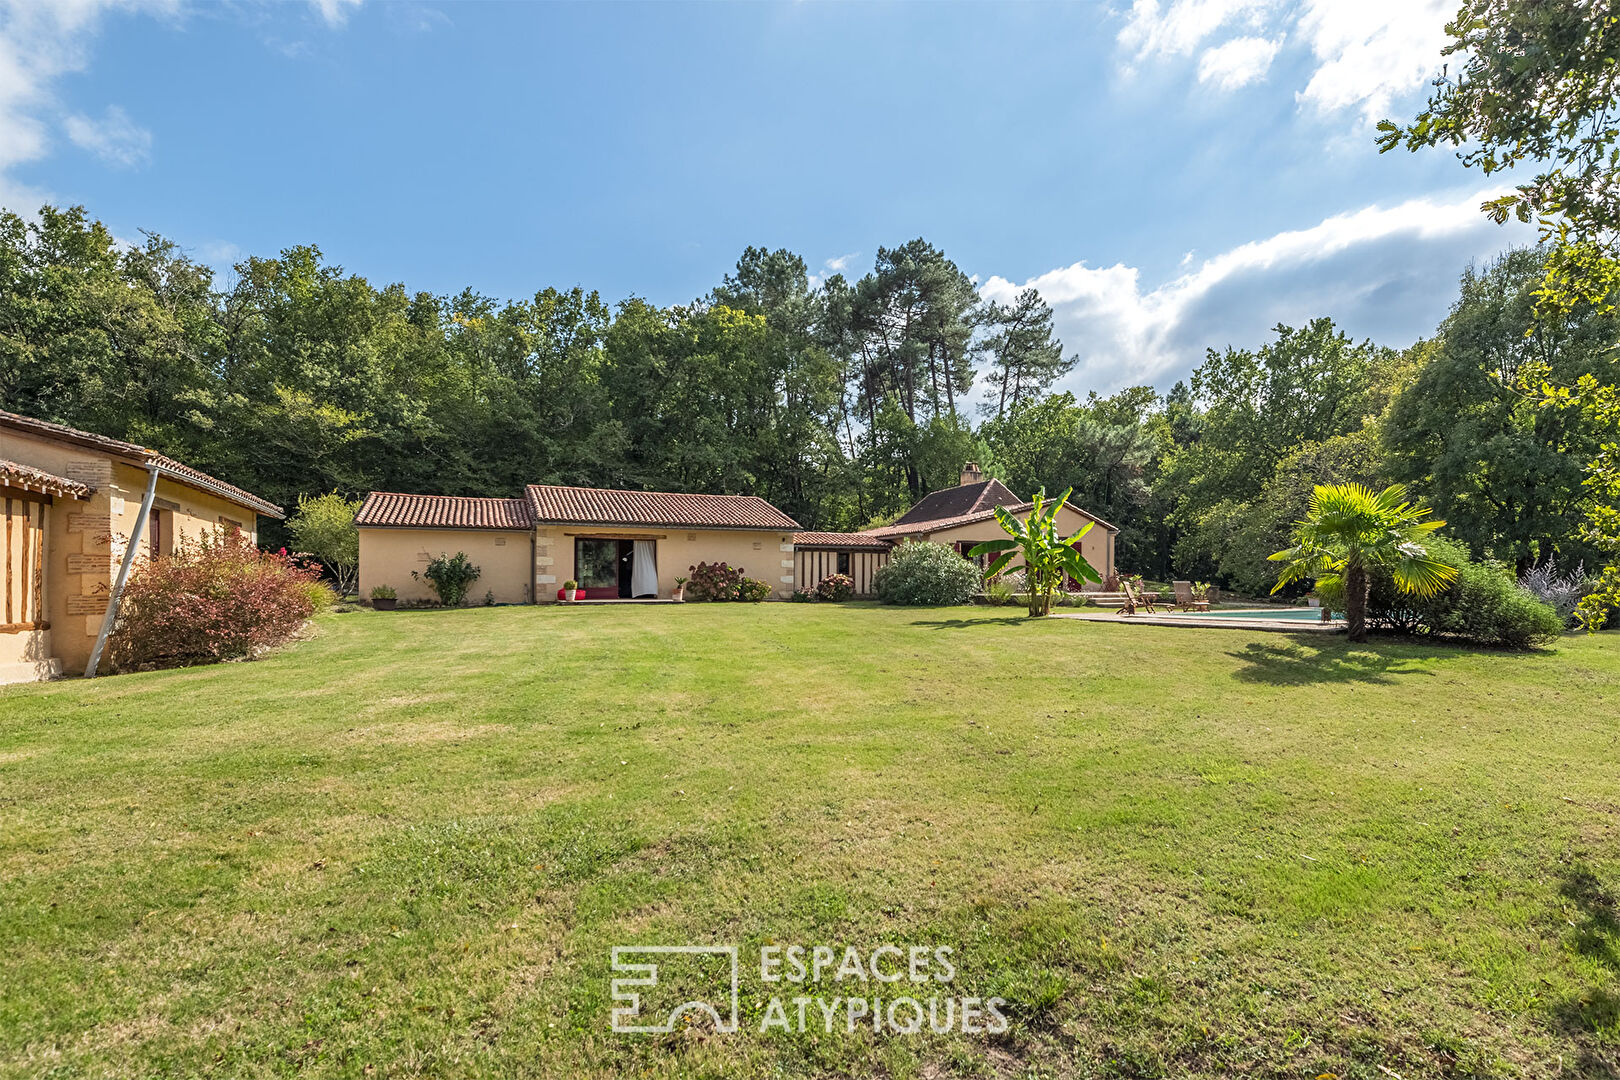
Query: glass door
{"x":596,"y":567}
{"x":606,"y":569}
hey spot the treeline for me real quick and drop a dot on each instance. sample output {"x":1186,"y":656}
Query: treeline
{"x":841,"y":402}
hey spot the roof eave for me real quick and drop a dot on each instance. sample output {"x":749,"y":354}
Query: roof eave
{"x":139,"y":456}
{"x":440,"y":525}
{"x":882,"y":545}
{"x":687,"y":525}
{"x":1110,"y":526}
{"x":44,"y":483}
{"x":257,"y":505}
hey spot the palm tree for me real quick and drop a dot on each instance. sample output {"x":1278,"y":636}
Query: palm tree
{"x":1349,"y":531}
{"x":1048,"y":555}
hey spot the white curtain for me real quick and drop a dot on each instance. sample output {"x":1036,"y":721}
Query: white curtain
{"x":644,"y":570}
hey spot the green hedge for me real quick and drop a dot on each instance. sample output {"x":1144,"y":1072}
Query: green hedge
{"x":1484,"y":606}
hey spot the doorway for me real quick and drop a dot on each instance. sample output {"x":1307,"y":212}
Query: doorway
{"x":606,"y":568}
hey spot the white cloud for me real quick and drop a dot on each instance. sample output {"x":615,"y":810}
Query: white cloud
{"x":1238,"y":62}
{"x":1385,"y":272}
{"x":40,"y":42}
{"x":219,"y":251}
{"x":415,"y":17}
{"x":1363,"y":54}
{"x":1372,"y":51}
{"x":835,"y":265}
{"x":334,"y":12}
{"x":1177,"y":30}
{"x":115,"y":138}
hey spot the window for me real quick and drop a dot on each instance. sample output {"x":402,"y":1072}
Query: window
{"x":843,"y":562}
{"x":965,"y":546}
{"x":596,"y":563}
{"x":22,"y":571}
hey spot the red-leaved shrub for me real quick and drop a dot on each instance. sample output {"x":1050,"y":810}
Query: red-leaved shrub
{"x":216,"y":597}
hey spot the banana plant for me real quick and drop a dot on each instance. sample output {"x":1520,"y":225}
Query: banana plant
{"x":1048,"y":555}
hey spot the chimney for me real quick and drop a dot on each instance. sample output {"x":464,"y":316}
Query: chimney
{"x":972,"y":474}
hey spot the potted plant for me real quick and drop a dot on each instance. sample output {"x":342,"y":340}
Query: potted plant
{"x":1200,"y":592}
{"x":679,"y":595}
{"x":570,"y":590}
{"x":384,"y":598}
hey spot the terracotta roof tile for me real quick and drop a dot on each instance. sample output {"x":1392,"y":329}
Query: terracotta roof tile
{"x":551,"y":504}
{"x":848,"y":541}
{"x":956,"y":502}
{"x":897,"y":530}
{"x":167,"y":465}
{"x":197,"y":478}
{"x":388,"y":509}
{"x":918,"y":528}
{"x":29,"y":478}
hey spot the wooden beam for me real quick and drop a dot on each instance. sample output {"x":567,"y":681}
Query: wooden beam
{"x":7,"y":576}
{"x":618,"y":536}
{"x":25,"y":592}
{"x":39,"y":571}
{"x":16,"y":490}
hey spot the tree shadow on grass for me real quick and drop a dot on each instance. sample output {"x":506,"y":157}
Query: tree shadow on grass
{"x":1303,"y":662}
{"x":983,"y":620}
{"x":1595,"y":1010}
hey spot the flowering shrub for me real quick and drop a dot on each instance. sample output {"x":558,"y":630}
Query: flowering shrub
{"x":1559,"y":591}
{"x":450,"y":575}
{"x":714,"y":581}
{"x":753,"y":590}
{"x":923,"y":573}
{"x":836,"y":587}
{"x":216,"y":597}
{"x":803,"y":596}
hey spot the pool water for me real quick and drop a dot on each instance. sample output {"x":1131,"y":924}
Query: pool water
{"x":1307,"y":614}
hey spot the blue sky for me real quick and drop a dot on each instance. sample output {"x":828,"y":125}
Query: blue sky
{"x":1173,"y":174}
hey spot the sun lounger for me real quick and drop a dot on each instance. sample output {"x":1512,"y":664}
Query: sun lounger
{"x":1134,"y":601}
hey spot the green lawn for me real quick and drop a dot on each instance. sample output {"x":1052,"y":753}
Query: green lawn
{"x":406,"y":846}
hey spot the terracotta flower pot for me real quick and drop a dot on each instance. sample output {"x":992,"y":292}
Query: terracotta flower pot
{"x":385,"y":603}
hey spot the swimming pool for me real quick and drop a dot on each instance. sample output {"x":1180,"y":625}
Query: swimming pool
{"x":1302,"y":614}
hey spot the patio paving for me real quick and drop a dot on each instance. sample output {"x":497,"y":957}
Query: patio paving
{"x":1214,"y":620}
